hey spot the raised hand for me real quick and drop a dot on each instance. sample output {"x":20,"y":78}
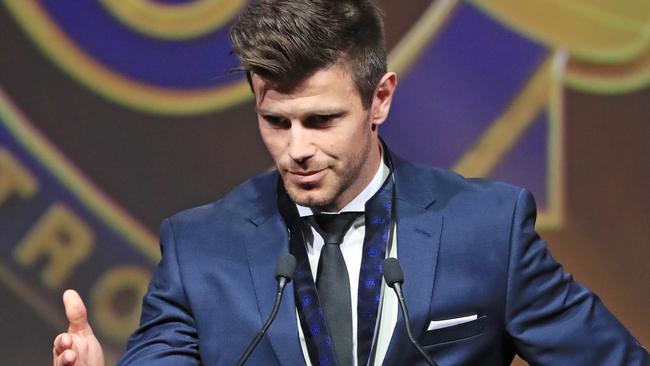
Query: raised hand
{"x":78,"y":346}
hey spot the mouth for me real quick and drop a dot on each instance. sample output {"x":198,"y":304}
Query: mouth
{"x":305,"y":178}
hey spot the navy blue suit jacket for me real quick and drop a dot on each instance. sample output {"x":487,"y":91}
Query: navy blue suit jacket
{"x":467,"y":246}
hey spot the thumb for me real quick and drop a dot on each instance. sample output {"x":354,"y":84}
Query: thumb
{"x":75,"y":311}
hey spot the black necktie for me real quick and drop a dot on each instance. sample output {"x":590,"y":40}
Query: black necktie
{"x":333,"y":282}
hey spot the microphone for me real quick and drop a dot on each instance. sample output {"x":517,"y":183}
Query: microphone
{"x":283,"y":274}
{"x":395,"y":278}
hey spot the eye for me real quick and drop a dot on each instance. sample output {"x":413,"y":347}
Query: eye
{"x":277,"y":122}
{"x":321,"y":120}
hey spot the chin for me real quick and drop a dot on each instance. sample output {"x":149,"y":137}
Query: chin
{"x":313,"y":198}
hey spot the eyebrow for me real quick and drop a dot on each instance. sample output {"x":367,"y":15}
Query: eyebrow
{"x":262,"y":111}
{"x":322,"y":112}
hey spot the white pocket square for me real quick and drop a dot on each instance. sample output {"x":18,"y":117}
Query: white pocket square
{"x":439,"y":324}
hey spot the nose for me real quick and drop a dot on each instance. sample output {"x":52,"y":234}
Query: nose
{"x":300,"y":148}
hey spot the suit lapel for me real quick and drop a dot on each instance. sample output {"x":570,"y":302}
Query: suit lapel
{"x":267,"y":244}
{"x":419,"y":227}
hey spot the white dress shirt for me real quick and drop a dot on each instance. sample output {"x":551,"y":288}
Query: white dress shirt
{"x":352,"y":249}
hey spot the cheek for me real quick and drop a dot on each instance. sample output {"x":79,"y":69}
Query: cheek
{"x":357,"y":140}
{"x":346,"y":144}
{"x":347,"y":151}
{"x":272,"y":142}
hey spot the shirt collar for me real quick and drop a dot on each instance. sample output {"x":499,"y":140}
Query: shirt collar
{"x":358,"y":203}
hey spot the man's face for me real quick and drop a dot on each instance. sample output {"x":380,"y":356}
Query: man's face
{"x":324,"y":144}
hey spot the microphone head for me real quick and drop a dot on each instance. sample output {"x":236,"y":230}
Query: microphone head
{"x":392,"y":271}
{"x":286,"y":267}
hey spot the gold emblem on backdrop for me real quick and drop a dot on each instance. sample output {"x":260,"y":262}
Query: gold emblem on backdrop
{"x":177,"y":21}
{"x":608,"y":41}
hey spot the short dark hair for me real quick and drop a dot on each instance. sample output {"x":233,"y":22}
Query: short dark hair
{"x":286,"y":41}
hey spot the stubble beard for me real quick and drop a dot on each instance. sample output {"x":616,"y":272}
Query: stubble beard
{"x":325,"y":200}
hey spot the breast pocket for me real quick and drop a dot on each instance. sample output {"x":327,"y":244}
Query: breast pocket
{"x":454,"y":332}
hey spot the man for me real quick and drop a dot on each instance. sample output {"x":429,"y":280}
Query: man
{"x":480,"y":283}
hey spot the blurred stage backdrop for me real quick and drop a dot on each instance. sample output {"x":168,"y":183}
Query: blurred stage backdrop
{"x":117,"y":113}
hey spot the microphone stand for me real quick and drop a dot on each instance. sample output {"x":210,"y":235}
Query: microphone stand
{"x":402,"y":304}
{"x":394,"y":278}
{"x":284,"y":274}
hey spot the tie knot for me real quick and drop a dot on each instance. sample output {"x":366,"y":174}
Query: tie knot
{"x":332,"y":227}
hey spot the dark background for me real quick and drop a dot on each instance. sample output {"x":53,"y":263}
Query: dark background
{"x":153,"y":165}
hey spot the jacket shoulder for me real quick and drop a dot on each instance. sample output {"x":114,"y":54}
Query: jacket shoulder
{"x":449,"y":187}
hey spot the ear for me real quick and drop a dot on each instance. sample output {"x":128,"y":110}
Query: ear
{"x":382,"y":98}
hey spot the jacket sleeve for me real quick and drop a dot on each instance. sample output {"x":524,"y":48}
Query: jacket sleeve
{"x":554,"y":320}
{"x":167,"y":334}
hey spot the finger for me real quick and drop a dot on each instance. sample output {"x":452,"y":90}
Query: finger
{"x":75,"y":311}
{"x":62,"y":342}
{"x":67,"y":358}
